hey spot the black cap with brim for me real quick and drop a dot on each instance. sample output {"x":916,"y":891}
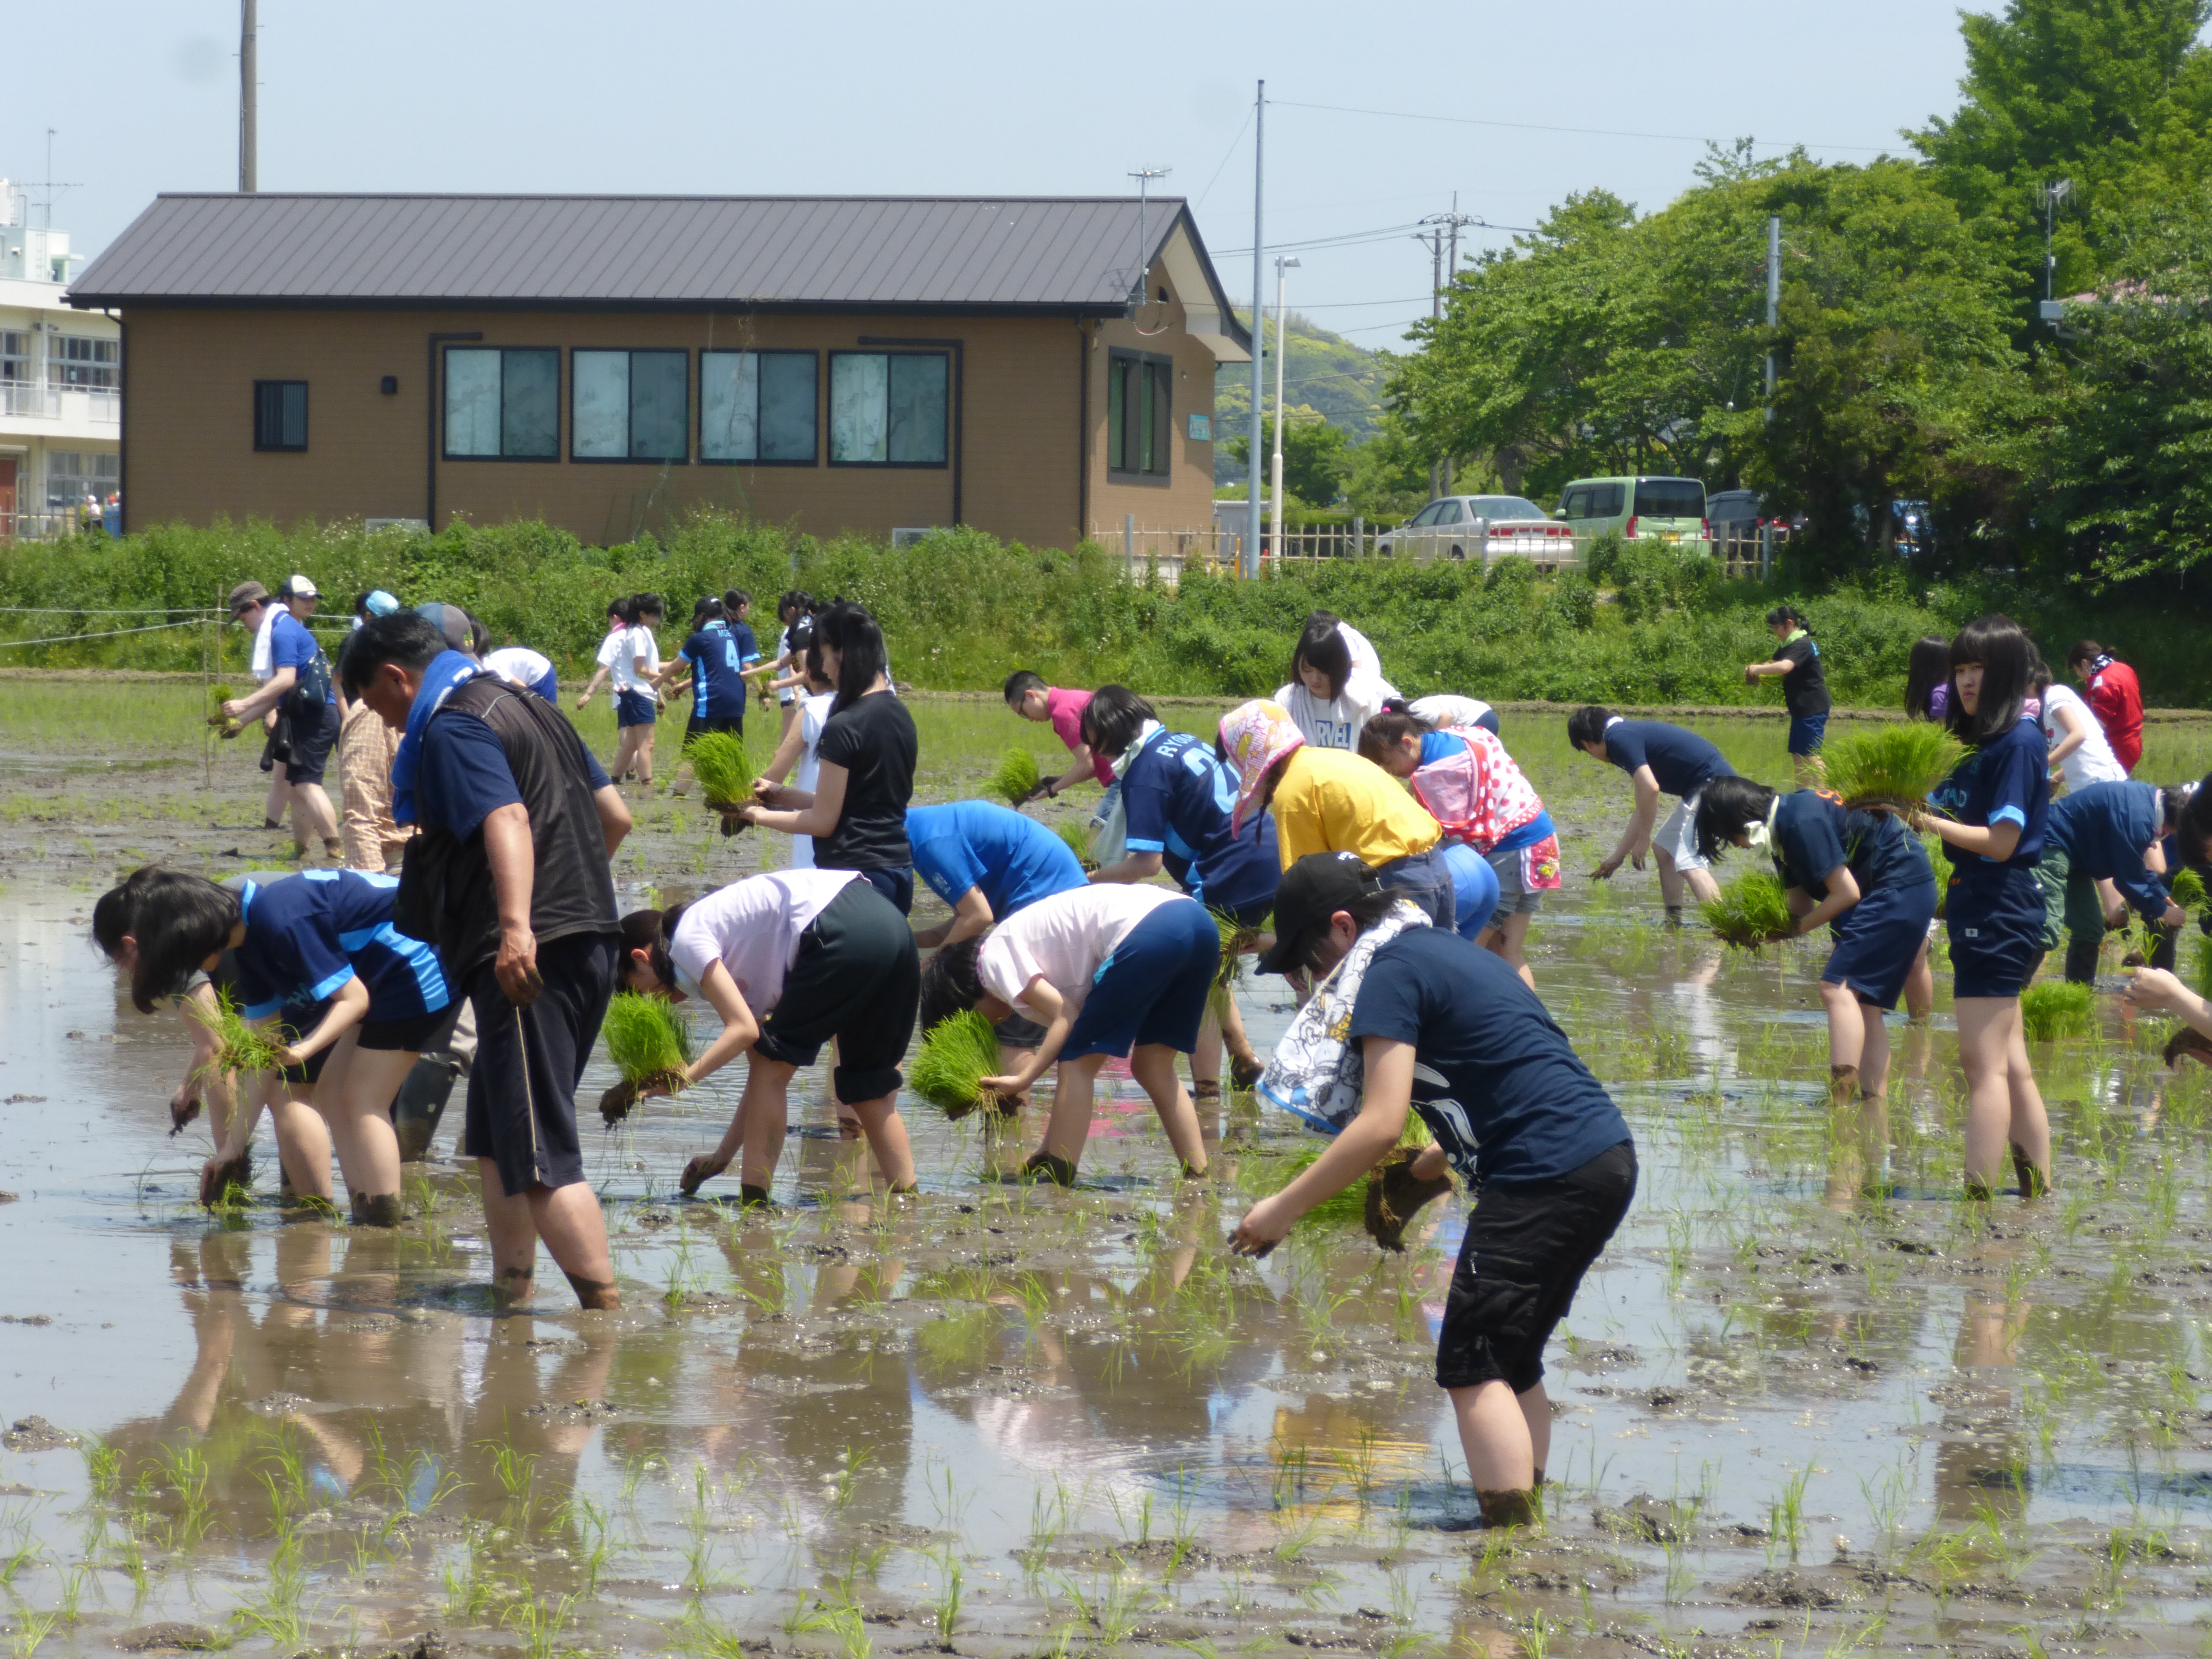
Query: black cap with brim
{"x":1312,"y":890}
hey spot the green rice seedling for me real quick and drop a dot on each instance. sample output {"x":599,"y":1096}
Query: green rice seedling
{"x":1892,"y":765}
{"x":2188,"y":889}
{"x":1078,"y":842}
{"x":650,"y":1046}
{"x":240,"y":1045}
{"x":2051,"y":1011}
{"x":1018,"y":776}
{"x":723,"y":768}
{"x":1750,"y":911}
{"x":955,"y":1055}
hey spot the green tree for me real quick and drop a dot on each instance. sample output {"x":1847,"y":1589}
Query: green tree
{"x":1317,"y":456}
{"x":1324,"y":371}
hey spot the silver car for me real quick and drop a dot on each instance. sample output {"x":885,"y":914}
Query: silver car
{"x":1482,"y":528}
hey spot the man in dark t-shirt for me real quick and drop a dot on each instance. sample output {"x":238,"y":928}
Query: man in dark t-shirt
{"x":1660,"y":760}
{"x":512,"y":874}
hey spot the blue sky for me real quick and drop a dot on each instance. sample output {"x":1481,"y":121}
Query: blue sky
{"x":989,"y":97}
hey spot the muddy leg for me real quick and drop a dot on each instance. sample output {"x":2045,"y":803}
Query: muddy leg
{"x":513,"y":1234}
{"x":1206,"y":1059}
{"x":766,"y":1107}
{"x":886,"y":1133}
{"x":1496,"y":1437}
{"x":1069,"y":1126}
{"x":1920,"y":986}
{"x":1152,"y":1063}
{"x":303,"y":1142}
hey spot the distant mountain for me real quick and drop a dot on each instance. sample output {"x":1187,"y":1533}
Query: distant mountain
{"x":1326,"y":372}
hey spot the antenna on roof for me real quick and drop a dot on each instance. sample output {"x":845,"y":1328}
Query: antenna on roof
{"x":51,"y":185}
{"x":1144,"y":176}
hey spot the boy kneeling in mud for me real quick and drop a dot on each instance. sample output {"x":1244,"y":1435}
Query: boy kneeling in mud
{"x":1410,"y":1015}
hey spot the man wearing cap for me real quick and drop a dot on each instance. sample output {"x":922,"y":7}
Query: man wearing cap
{"x":1410,"y":1016}
{"x":299,"y":690}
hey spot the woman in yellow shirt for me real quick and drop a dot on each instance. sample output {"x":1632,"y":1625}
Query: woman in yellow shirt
{"x":1329,"y":800}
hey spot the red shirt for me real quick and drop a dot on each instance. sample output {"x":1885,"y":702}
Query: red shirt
{"x":1065,"y":710}
{"x":2115,"y":696}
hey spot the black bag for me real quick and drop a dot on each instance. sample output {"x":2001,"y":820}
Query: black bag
{"x":311,"y":693}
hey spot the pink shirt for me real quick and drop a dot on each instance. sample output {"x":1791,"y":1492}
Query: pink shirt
{"x":1065,"y":709}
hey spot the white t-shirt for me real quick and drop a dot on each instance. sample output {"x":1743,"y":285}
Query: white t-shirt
{"x":519,"y":665}
{"x":1066,"y":937}
{"x":2094,"y":761}
{"x":813,"y":715}
{"x":782,"y":650}
{"x":1446,"y":712}
{"x":752,"y":927}
{"x":261,"y":670}
{"x":1337,"y":725}
{"x":618,"y":655}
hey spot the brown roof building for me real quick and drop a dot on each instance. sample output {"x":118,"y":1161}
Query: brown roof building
{"x":1035,"y":367}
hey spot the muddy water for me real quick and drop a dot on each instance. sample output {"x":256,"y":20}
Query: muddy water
{"x":1808,"y":1402}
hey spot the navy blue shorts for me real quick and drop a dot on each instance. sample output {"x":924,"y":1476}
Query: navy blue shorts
{"x":1427,"y":879}
{"x":634,"y":708}
{"x":1996,"y":925}
{"x":1877,"y":939}
{"x":1806,"y":731}
{"x":896,"y":885}
{"x":1152,"y":989}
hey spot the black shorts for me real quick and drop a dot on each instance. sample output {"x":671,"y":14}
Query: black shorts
{"x":896,"y":885}
{"x":1526,"y":1251}
{"x":411,"y":1033}
{"x":699,"y":725}
{"x":313,"y":735}
{"x":522,"y":1089}
{"x":857,"y":978}
{"x":1020,"y":1031}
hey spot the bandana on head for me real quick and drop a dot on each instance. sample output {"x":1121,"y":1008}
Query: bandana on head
{"x":1256,"y":736}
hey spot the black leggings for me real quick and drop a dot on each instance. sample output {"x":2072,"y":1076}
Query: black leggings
{"x":858,"y":979}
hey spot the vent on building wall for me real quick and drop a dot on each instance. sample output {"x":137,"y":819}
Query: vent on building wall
{"x":908,"y":537}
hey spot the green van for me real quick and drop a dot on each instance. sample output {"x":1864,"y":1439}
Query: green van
{"x":1671,"y":510}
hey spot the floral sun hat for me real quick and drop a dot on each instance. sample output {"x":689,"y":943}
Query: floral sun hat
{"x":1255,"y":736}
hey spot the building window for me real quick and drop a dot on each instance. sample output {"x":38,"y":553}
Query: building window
{"x":502,"y":404}
{"x":889,"y":408}
{"x":1138,"y":421}
{"x":757,"y":406}
{"x":72,"y":475}
{"x":15,"y":355}
{"x":279,"y":415}
{"x":77,"y":360}
{"x":629,"y":406}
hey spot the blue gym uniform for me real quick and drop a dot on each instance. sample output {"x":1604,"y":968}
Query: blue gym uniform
{"x":1878,"y":939}
{"x":716,"y":655}
{"x":1681,"y":761}
{"x":309,"y":934}
{"x":1012,"y":859}
{"x":1176,"y":800}
{"x":1993,"y":911}
{"x":2103,"y":830}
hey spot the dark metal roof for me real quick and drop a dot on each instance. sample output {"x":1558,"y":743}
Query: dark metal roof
{"x":823,"y":251}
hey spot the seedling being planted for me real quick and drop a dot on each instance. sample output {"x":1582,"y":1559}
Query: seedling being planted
{"x":955,"y":1057}
{"x":1018,"y":776}
{"x":650,"y":1046}
{"x":240,"y":1046}
{"x":1750,"y":911}
{"x":1892,"y":765}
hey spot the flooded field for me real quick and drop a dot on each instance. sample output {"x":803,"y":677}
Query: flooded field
{"x":1809,"y":1402}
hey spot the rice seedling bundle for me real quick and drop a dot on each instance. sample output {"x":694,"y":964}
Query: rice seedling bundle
{"x":218,"y":695}
{"x":723,"y":768}
{"x":1892,"y":765}
{"x":2187,"y":890}
{"x":1077,"y":839}
{"x":1750,"y":911}
{"x":2054,"y":1009}
{"x":1018,"y":776}
{"x":1230,"y":971}
{"x":955,"y":1057}
{"x":240,"y":1045}
{"x":650,"y":1045}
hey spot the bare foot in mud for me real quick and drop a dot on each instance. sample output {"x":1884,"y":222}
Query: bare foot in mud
{"x":1395,"y":1195}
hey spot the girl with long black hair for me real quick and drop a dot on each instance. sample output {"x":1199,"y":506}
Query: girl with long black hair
{"x":1336,"y":682}
{"x":856,"y":811}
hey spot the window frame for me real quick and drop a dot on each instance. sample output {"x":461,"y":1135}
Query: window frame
{"x":829,"y":451}
{"x":62,"y":369}
{"x":263,"y":448}
{"x":76,"y":497}
{"x":690,"y":412}
{"x":1163,"y":424}
{"x":444,"y":408}
{"x":818,"y":451}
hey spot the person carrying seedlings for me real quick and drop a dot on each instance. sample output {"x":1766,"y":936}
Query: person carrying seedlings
{"x":2108,"y":834}
{"x":789,"y":959}
{"x":325,"y":940}
{"x":1336,"y":682}
{"x":2115,"y":696}
{"x":1106,"y":970}
{"x":1445,"y":712}
{"x":1411,"y":1017}
{"x":303,"y":1137}
{"x":610,"y":652}
{"x":1177,"y":799}
{"x":1325,"y":800}
{"x":2080,"y":753}
{"x":519,"y":825}
{"x":1487,"y":808}
{"x":801,"y":747}
{"x":736,"y":611}
{"x":1028,"y":696}
{"x":713,"y":670}
{"x":1661,"y":760}
{"x":856,"y":811}
{"x":1864,"y":877}
{"x":1804,"y":688}
{"x":785,"y":671}
{"x":1992,"y":815}
{"x":299,"y":692}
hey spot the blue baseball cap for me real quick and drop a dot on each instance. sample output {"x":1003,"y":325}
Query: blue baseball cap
{"x":380,"y":604}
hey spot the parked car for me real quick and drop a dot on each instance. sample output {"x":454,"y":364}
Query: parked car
{"x":1480,"y":527}
{"x":1671,"y":510}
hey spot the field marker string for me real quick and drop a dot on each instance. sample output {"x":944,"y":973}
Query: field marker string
{"x":113,"y":633}
{"x":90,"y":611}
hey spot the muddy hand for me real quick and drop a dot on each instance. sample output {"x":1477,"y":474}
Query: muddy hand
{"x":184,"y":1107}
{"x":701,"y":1171}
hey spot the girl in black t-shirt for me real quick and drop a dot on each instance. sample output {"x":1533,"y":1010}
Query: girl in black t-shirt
{"x":1804,"y":689}
{"x":856,"y":811}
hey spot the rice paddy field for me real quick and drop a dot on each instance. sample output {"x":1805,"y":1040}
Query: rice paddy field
{"x":1808,"y":1403}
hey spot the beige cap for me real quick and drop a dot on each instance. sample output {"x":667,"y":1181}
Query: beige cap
{"x":299,"y":587}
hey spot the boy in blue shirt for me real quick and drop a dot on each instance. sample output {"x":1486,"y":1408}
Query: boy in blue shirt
{"x":299,"y":689}
{"x":2115,"y":832}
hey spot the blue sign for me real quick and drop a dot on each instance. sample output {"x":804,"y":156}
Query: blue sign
{"x":1201,"y":428}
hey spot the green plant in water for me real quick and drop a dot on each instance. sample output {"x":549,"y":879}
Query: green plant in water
{"x":1750,"y":911}
{"x":723,"y":768}
{"x":240,"y":1046}
{"x":1017,"y":777}
{"x":2051,"y":1011}
{"x":1892,"y":765}
{"x":648,"y":1041}
{"x":947,"y":1071}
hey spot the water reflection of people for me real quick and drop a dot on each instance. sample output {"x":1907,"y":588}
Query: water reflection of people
{"x":1982,"y":1453}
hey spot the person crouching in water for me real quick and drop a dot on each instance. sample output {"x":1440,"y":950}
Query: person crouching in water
{"x":789,"y":959}
{"x":1410,"y":1016}
{"x":1108,"y":970}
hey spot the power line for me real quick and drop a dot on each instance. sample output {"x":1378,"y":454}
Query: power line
{"x":1226,"y":156}
{"x":1532,"y":126}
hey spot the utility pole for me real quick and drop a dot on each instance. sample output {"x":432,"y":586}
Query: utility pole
{"x":1441,"y":273}
{"x":1259,"y":334}
{"x":1773,"y":300}
{"x":1282,"y":356}
{"x":249,"y":70}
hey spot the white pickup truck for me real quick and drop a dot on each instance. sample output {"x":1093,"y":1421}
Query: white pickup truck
{"x":1482,"y":528}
